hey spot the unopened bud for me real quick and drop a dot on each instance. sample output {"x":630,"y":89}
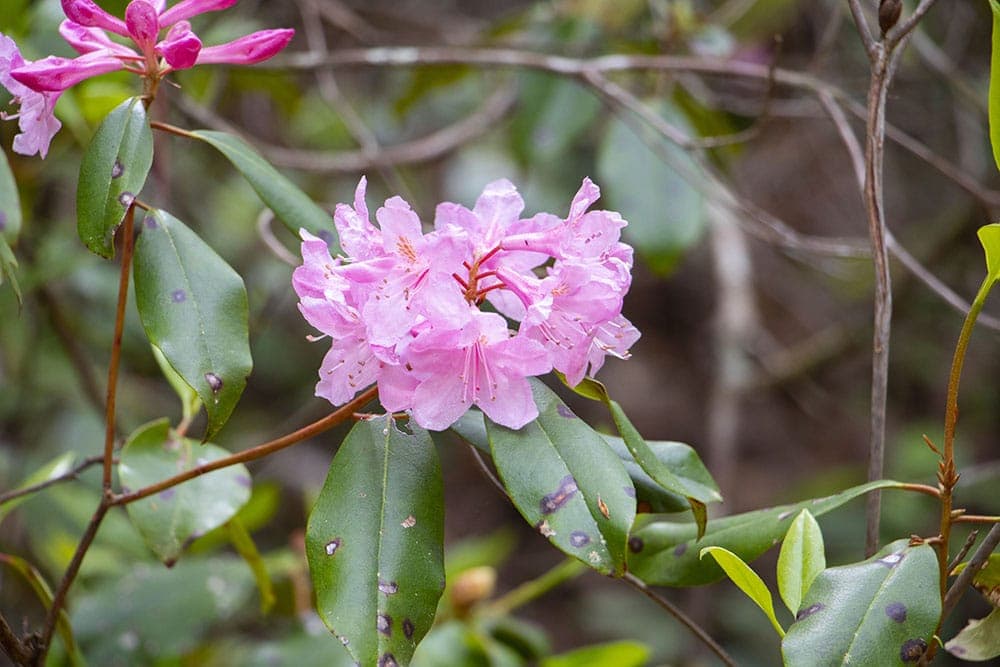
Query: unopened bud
{"x":472,"y":586}
{"x":888,"y":14}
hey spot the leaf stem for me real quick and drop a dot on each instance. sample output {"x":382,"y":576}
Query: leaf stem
{"x":339,"y":416}
{"x":569,"y":569}
{"x":128,"y":245}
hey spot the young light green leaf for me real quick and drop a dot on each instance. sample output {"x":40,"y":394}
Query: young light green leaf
{"x":619,"y":654}
{"x":664,"y":551}
{"x":194,"y":309}
{"x":747,"y":580}
{"x":243,"y":542}
{"x":698,"y":491}
{"x":881,"y":611}
{"x":113,"y":171}
{"x":292,"y":206}
{"x":54,"y":468}
{"x":567,"y":483}
{"x":190,"y":402}
{"x":801,"y":558}
{"x":979,"y":640}
{"x":989,"y":236}
{"x":375,"y":541}
{"x":994,"y":94}
{"x":44,"y":593}
{"x":169,"y":520}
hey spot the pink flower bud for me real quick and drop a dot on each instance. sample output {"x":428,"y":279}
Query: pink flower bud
{"x":181,"y":47}
{"x":54,"y":74}
{"x":143,"y":24}
{"x":87,"y":13}
{"x":188,"y":8}
{"x":247,"y":50}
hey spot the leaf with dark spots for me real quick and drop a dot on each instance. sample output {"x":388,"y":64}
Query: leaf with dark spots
{"x":377,"y":529}
{"x":808,"y":611}
{"x":204,"y":337}
{"x":979,"y":640}
{"x":112,"y":172}
{"x":169,"y":520}
{"x":667,"y":559}
{"x":635,"y":544}
{"x":563,"y":477}
{"x":292,"y":206}
{"x":869,"y":614}
{"x":578,"y":539}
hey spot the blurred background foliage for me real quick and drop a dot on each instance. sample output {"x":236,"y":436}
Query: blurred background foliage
{"x":755,"y":352}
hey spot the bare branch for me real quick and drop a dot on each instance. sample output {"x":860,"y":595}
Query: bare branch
{"x":864,"y":32}
{"x":976,"y":563}
{"x":66,"y":476}
{"x":903,"y":29}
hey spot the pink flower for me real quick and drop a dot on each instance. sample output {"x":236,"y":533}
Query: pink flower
{"x":86,"y":30}
{"x":37,"y":123}
{"x":403,"y":306}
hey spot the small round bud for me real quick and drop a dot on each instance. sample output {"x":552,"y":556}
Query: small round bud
{"x":888,"y":14}
{"x":472,"y":586}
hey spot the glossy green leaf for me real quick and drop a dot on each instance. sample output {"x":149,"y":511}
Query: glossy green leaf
{"x":699,"y":489}
{"x":292,"y":206}
{"x":664,"y":211}
{"x":10,"y":225}
{"x":194,"y":309}
{"x":113,"y":171}
{"x":619,"y":654}
{"x":147,"y":614}
{"x":989,"y":236}
{"x":801,"y":558}
{"x":44,"y":593}
{"x":566,"y":481}
{"x":664,"y":552}
{"x":170,"y":519}
{"x":54,"y":468}
{"x":375,"y":541}
{"x":747,"y":581}
{"x":881,"y":611}
{"x":994,"y":94}
{"x":243,"y":542}
{"x":979,"y":640}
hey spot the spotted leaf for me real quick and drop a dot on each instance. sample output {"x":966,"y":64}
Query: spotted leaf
{"x":170,"y":519}
{"x":375,"y":542}
{"x":881,"y":611}
{"x":113,"y":171}
{"x":194,"y":309}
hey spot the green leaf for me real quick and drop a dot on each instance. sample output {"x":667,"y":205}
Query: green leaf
{"x":292,"y":206}
{"x":664,"y":211}
{"x":663,"y":552}
{"x":243,"y":543}
{"x":375,"y":541}
{"x":881,"y":611}
{"x":566,"y":482}
{"x":801,"y":558}
{"x":552,"y":114}
{"x":979,"y":640}
{"x":8,"y":267}
{"x":10,"y":225}
{"x":746,"y":580}
{"x":42,"y":591}
{"x":173,"y":517}
{"x":60,"y":465}
{"x":698,"y":491}
{"x":113,"y":171}
{"x":619,"y":654}
{"x":987,"y":580}
{"x":994,"y":106}
{"x":194,"y":309}
{"x":190,"y":401}
{"x":989,"y":236}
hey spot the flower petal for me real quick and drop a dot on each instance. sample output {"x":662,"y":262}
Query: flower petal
{"x":247,"y":50}
{"x":181,"y":47}
{"x":188,"y":8}
{"x":55,"y":74}
{"x":87,"y":13}
{"x":87,"y":40}
{"x":143,"y":24}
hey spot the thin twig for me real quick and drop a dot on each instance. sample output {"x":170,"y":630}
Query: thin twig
{"x":925,"y":489}
{"x":339,"y":416}
{"x":864,"y":32}
{"x":128,"y":244}
{"x":976,"y":563}
{"x":699,"y":632}
{"x":272,"y":243}
{"x":976,"y":518}
{"x":963,"y":552}
{"x":904,"y":28}
{"x":66,"y":476}
{"x":12,"y":644}
{"x":481,"y":462}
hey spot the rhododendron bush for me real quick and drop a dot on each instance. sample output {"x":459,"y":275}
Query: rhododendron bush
{"x":464,"y":319}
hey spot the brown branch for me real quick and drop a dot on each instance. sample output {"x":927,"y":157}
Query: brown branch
{"x":975,"y":564}
{"x":339,"y":416}
{"x":13,"y":647}
{"x":864,"y":32}
{"x":976,"y":518}
{"x":66,"y":476}
{"x":128,"y":245}
{"x":925,"y":489}
{"x":963,"y":552}
{"x":904,"y":28}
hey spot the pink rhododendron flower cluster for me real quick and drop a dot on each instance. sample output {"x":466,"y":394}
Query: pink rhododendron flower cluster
{"x":403,"y":307}
{"x":37,"y":85}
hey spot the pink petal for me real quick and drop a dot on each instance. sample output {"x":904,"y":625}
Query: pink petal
{"x":55,"y":74}
{"x":143,"y":24}
{"x":247,"y":50}
{"x":87,"y":40}
{"x":347,"y":368}
{"x":514,"y":405}
{"x":87,"y":13}
{"x":181,"y":47}
{"x":188,"y":8}
{"x":38,"y":124}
